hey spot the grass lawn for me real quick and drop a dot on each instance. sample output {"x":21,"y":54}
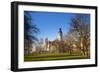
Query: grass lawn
{"x":48,"y":57}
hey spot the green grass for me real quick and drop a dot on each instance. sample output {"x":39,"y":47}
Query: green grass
{"x":48,"y":57}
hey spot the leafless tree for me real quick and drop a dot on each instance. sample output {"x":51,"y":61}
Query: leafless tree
{"x":80,"y":25}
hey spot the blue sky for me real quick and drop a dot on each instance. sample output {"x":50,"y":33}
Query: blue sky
{"x":50,"y":22}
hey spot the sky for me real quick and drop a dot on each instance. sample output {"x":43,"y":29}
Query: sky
{"x":50,"y":22}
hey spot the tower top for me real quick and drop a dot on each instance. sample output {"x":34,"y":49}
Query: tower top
{"x":60,"y":30}
{"x":60,"y":35}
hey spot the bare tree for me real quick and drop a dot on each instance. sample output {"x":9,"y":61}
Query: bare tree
{"x":82,"y":27}
{"x":71,"y":40}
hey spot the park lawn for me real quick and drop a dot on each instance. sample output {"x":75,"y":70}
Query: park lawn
{"x":49,"y":57}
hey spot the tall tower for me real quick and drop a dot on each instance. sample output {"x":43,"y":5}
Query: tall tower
{"x":60,"y":35}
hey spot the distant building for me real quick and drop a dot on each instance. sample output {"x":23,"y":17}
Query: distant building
{"x":45,"y":45}
{"x":49,"y":45}
{"x":60,"y":35}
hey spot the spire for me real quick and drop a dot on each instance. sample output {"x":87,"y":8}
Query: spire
{"x":60,"y":31}
{"x":60,"y":35}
